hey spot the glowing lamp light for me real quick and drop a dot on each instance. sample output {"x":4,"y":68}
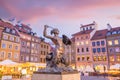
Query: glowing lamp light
{"x":24,"y":71}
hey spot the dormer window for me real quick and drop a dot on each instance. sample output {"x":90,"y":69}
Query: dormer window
{"x":119,"y":32}
{"x":108,"y":33}
{"x":83,"y":29}
{"x":90,"y":27}
{"x":86,"y":28}
{"x":13,"y":31}
{"x":7,"y":30}
{"x":114,"y":32}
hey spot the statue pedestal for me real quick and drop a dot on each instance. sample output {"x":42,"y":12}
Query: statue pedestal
{"x":56,"y":76}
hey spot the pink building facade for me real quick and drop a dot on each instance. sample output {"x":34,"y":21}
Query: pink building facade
{"x":83,"y":45}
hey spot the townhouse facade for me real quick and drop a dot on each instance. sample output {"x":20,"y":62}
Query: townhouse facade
{"x":83,"y":50}
{"x":10,"y":42}
{"x":113,"y":45}
{"x":44,"y":50}
{"x":99,"y":50}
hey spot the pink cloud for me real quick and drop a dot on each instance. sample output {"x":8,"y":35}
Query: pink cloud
{"x":32,"y":10}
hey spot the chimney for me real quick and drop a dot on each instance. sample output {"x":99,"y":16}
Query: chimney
{"x":109,"y":27}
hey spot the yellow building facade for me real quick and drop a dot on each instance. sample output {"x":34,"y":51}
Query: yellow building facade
{"x":9,"y":45}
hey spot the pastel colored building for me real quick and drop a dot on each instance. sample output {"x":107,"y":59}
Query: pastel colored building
{"x":83,"y":45}
{"x":99,"y":50}
{"x":44,"y":50}
{"x":10,"y":42}
{"x":113,"y":45}
{"x":30,"y":44}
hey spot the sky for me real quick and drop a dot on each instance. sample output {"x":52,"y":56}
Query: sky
{"x":66,"y":15}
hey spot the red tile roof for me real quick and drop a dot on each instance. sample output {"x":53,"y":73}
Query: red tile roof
{"x":115,"y":29}
{"x":8,"y":25}
{"x":5,"y":24}
{"x":26,"y":26}
{"x":83,"y":32}
{"x":100,"y":34}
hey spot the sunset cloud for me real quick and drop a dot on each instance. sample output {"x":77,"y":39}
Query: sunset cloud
{"x":60,"y":11}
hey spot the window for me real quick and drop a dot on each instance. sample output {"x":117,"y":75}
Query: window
{"x":86,"y":42}
{"x":77,"y":38}
{"x":82,"y":49}
{"x":27,"y":58}
{"x":104,"y":58}
{"x":98,"y":50}
{"x":93,"y":43}
{"x":31,"y":58}
{"x":108,"y":33}
{"x":7,"y":30}
{"x":13,"y":31}
{"x":17,"y":39}
{"x":9,"y":55}
{"x":83,"y":58}
{"x":110,"y":43}
{"x":23,"y":43}
{"x":78,"y":50}
{"x":103,"y":50}
{"x":16,"y":55}
{"x":95,"y":58}
{"x":90,"y":27}
{"x":119,"y":32}
{"x":81,"y":37}
{"x":41,"y":52}
{"x":98,"y":43}
{"x":36,"y":58}
{"x":118,"y":58}
{"x":16,"y":47}
{"x":41,"y":45}
{"x":10,"y":46}
{"x":94,"y":50}
{"x":116,"y":42}
{"x":99,"y":58}
{"x":32,"y":44}
{"x":87,"y":28}
{"x":83,"y":29}
{"x":11,"y":38}
{"x":87,"y":49}
{"x":82,"y":43}
{"x":112,"y":58}
{"x":77,"y":44}
{"x":114,"y":32}
{"x":5,"y":37}
{"x":110,"y":50}
{"x":102,"y":43}
{"x":3,"y":45}
{"x":28,"y":43}
{"x":88,"y":58}
{"x":44,"y":46}
{"x":2,"y":54}
{"x":117,"y":49}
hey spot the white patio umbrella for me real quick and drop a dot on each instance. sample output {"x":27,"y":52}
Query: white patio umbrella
{"x":89,"y":69}
{"x":8,"y":62}
{"x":116,"y":66}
